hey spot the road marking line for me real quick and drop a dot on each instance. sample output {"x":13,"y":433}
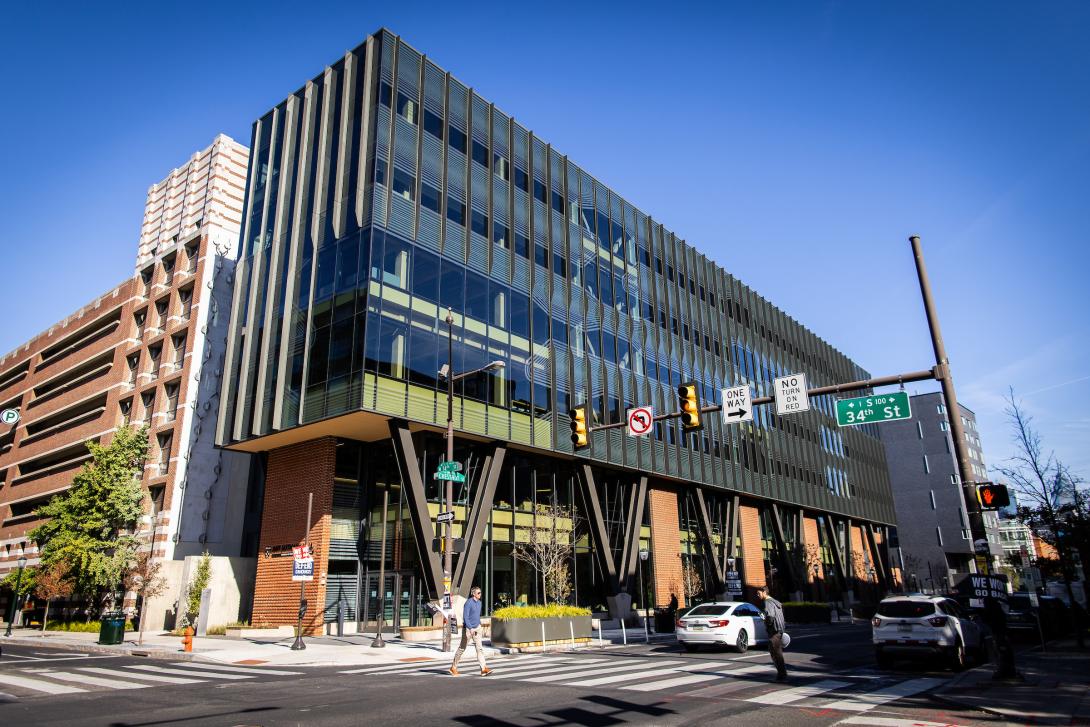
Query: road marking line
{"x":431,"y":663}
{"x":38,"y":685}
{"x":675,"y":682}
{"x":51,"y":655}
{"x":186,"y":672}
{"x":786,"y":696}
{"x":750,"y":656}
{"x":239,"y":669}
{"x":538,"y":669}
{"x":591,"y":672}
{"x":893,"y":722}
{"x":863,"y":702}
{"x":95,"y":681}
{"x":145,"y":677}
{"x":647,"y":674}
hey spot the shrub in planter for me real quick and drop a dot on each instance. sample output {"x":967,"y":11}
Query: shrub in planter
{"x":806,"y":612}
{"x":523,"y":624}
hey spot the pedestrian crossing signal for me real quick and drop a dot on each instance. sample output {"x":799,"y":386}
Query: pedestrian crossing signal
{"x":992,"y":496}
{"x":579,"y":435}
{"x":690,"y":407}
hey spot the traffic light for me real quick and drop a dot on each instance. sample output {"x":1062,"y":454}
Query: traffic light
{"x":992,"y":496}
{"x":579,"y":435}
{"x":690,"y":407}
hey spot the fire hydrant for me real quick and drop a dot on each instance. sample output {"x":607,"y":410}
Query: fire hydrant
{"x":187,"y":639}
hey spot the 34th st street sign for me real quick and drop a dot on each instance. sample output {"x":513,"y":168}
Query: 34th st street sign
{"x":873,"y":409}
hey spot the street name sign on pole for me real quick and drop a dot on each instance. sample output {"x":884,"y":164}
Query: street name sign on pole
{"x":737,"y":404}
{"x":791,"y":396}
{"x":873,"y":409}
{"x":450,"y":466}
{"x":641,"y":420}
{"x":449,"y":475}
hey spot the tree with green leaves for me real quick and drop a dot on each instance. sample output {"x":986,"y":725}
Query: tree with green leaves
{"x":89,"y":535}
{"x":191,"y":601}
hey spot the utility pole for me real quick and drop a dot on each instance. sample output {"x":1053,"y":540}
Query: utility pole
{"x":950,"y":400}
{"x":299,"y":643}
{"x":448,"y":498}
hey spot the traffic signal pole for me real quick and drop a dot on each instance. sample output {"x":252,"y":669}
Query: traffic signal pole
{"x":950,"y":399}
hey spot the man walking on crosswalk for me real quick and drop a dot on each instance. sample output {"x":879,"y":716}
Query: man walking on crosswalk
{"x":774,"y":624}
{"x":471,"y":629}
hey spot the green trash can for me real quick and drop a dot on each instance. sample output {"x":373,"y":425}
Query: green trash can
{"x":112,"y":630}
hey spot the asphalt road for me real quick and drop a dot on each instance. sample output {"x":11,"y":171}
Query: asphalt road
{"x":833,"y":681}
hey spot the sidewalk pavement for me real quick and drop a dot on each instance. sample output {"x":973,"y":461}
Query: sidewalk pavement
{"x":349,"y":650}
{"x":1054,"y":687}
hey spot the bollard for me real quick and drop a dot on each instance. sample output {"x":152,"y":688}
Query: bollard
{"x":624,"y":633}
{"x":571,"y":628}
{"x":340,"y":617}
{"x":543,"y":637}
{"x":646,"y":633}
{"x":600,"y":642}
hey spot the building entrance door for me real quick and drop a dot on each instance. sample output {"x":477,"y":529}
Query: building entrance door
{"x":401,"y":602}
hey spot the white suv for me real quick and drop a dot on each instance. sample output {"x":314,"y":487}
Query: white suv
{"x":918,"y":625}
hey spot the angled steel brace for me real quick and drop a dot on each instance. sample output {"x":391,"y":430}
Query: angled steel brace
{"x":413,"y":486}
{"x":709,"y":543}
{"x":630,"y":559}
{"x":881,"y":567}
{"x":598,"y":533}
{"x":477,"y":519}
{"x":838,"y":559}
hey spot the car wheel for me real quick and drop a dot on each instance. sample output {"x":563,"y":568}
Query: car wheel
{"x":741,"y":645}
{"x":958,"y":656}
{"x":690,"y":647}
{"x":884,"y":660}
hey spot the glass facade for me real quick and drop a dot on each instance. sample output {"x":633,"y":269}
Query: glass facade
{"x":384,"y":192}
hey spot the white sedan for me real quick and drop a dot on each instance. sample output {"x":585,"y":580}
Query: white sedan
{"x":729,"y":623}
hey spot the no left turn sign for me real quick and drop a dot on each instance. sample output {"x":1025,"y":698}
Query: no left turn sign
{"x":640,"y":421}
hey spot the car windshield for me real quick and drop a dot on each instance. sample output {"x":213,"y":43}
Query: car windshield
{"x":906,"y":609}
{"x":707,"y":611}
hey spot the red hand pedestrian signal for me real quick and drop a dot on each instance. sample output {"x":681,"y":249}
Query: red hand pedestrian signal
{"x":992,"y":496}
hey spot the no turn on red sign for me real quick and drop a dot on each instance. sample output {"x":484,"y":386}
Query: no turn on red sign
{"x":641,"y":420}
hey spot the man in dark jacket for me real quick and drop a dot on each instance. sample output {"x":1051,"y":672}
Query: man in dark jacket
{"x":774,"y":624}
{"x":471,"y":630}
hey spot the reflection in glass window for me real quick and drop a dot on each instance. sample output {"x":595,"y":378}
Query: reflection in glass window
{"x":540,"y":193}
{"x":541,"y":255}
{"x":385,"y":93}
{"x":456,"y":138}
{"x":476,"y":297}
{"x":500,"y":167}
{"x":451,"y":285}
{"x":501,"y":236}
{"x":404,"y":184}
{"x":480,"y":153}
{"x":380,"y":171}
{"x":456,"y":211}
{"x":522,"y":180}
{"x":433,"y":124}
{"x":479,"y":223}
{"x":429,"y":197}
{"x":395,"y":263}
{"x":406,"y":107}
{"x":425,"y":275}
{"x":522,"y":245}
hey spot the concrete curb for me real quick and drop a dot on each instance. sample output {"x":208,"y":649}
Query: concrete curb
{"x":92,"y":648}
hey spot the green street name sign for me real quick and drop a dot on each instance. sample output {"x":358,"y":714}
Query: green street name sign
{"x":450,"y":466}
{"x":452,"y":476}
{"x":873,"y":409}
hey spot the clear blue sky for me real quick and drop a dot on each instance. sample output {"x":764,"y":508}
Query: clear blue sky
{"x":797,"y":146}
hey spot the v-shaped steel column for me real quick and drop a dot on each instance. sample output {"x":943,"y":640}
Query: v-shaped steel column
{"x":709,"y":543}
{"x":599,"y":535}
{"x":412,"y":484}
{"x":630,"y":559}
{"x":781,"y":545}
{"x":477,"y":520}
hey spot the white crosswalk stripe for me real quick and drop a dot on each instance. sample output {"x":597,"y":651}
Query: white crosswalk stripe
{"x":870,"y":700}
{"x":112,"y":683}
{"x":38,"y":685}
{"x":445,"y":664}
{"x":158,"y":678}
{"x":648,"y":674}
{"x":187,"y":672}
{"x":534,"y":670}
{"x":255,"y":671}
{"x":786,"y":696}
{"x":598,"y":670}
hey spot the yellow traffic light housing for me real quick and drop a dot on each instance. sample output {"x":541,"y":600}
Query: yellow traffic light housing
{"x":580,"y":438}
{"x":992,"y":496}
{"x":690,"y":407}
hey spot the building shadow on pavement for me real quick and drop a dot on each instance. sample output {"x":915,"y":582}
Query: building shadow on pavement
{"x":611,"y":712}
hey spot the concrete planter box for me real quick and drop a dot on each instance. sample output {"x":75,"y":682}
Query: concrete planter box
{"x":421,"y":633}
{"x":527,"y":631}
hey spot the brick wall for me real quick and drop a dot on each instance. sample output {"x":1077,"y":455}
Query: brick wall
{"x":749,"y":521}
{"x":858,"y":565}
{"x":293,"y":472}
{"x":665,"y":545}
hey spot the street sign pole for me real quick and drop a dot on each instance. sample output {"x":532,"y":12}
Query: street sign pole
{"x":299,"y":645}
{"x":950,"y":399}
{"x":449,"y":494}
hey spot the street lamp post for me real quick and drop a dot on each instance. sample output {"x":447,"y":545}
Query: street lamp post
{"x":447,"y":372}
{"x":15,"y":596}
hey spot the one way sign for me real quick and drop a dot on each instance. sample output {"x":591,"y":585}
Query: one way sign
{"x":737,"y":405}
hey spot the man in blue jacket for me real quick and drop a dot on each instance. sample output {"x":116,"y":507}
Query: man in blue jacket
{"x":471,"y":629}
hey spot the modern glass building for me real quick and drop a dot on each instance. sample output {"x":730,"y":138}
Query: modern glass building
{"x":385,"y":191}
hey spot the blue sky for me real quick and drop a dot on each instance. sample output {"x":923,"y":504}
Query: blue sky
{"x":797,"y":145}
